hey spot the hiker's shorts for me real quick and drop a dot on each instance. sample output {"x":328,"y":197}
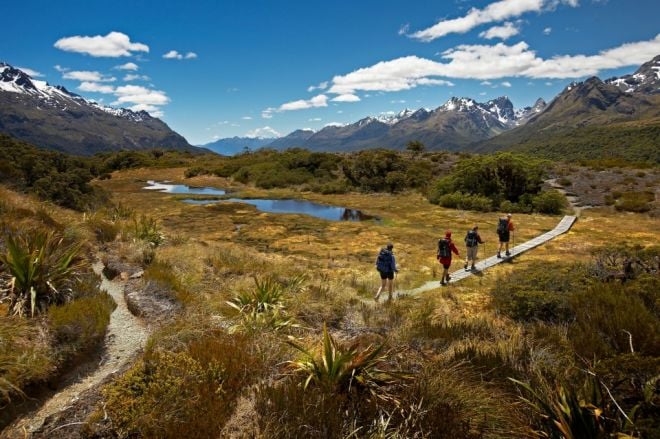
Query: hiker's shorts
{"x":504,"y":237}
{"x":386,"y":275}
{"x":472,"y":252}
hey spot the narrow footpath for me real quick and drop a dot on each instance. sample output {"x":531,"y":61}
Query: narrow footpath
{"x":125,"y":336}
{"x":564,"y":226}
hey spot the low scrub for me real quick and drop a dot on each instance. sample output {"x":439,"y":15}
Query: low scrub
{"x":189,"y":392}
{"x":639,"y":202}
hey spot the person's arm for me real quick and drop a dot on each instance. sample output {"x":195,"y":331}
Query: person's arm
{"x":479,"y":240}
{"x":394,"y":264}
{"x":511,"y":228}
{"x":453,"y":249}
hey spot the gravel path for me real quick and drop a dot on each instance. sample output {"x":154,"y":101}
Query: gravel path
{"x":126,"y":335}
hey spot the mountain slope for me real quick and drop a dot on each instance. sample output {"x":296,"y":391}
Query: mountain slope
{"x":452,"y":126}
{"x":54,"y":118}
{"x":593,"y":119}
{"x":235,"y":145}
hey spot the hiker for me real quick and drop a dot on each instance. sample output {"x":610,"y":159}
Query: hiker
{"x":472,"y":241}
{"x":445,"y":248}
{"x":504,"y":229}
{"x":386,"y":266}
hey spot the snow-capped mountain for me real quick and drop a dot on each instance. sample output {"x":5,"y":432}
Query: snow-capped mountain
{"x":453,"y":125}
{"x":53,"y":117}
{"x":645,"y":80}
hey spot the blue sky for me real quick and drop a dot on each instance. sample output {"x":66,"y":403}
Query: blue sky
{"x":246,"y":67}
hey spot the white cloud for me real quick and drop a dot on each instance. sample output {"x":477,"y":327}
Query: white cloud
{"x":403,"y":30}
{"x":151,"y":109}
{"x":483,"y":93}
{"x":263,"y":132}
{"x":128,"y":66}
{"x":489,"y":62}
{"x":113,"y":45}
{"x":133,"y":77}
{"x":61,"y":69}
{"x":503,"y":32}
{"x":547,"y":31}
{"x":86,"y":75}
{"x":493,"y":13}
{"x":399,"y":101}
{"x":95,"y":87}
{"x":334,"y":124}
{"x":314,"y":119}
{"x":486,"y":83}
{"x":322,"y":86}
{"x":346,"y":98}
{"x":303,"y":104}
{"x":549,"y":84}
{"x":506,"y":84}
{"x":173,"y":54}
{"x":140,"y":97}
{"x":30,"y":72}
{"x":268,"y":113}
{"x":246,"y":117}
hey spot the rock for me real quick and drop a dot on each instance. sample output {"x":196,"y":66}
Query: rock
{"x":137,"y":275}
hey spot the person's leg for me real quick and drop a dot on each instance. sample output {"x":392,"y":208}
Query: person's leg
{"x":507,"y":248}
{"x":383,"y":284}
{"x":390,"y":288}
{"x":445,"y":273}
{"x":499,"y":250}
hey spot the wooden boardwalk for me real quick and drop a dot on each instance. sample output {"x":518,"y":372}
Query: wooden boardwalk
{"x":564,"y":226}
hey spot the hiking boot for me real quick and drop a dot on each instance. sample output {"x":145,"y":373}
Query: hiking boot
{"x":465,"y":266}
{"x":472,"y":268}
{"x":508,"y":253}
{"x":448,"y":278}
{"x":443,"y":283}
{"x":499,"y":256}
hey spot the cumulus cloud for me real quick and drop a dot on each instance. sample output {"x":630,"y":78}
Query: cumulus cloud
{"x":95,"y":87}
{"x":134,"y":77}
{"x":506,"y":84}
{"x":487,"y":62}
{"x":346,"y":98}
{"x":506,"y":31}
{"x":112,"y":45}
{"x":303,"y":104}
{"x":314,"y":119}
{"x":547,"y":31}
{"x":493,"y":13}
{"x":128,"y":66}
{"x":173,"y":54}
{"x":30,"y":72}
{"x":263,"y":132}
{"x":322,"y":86}
{"x":246,"y":117}
{"x":141,"y":97}
{"x":268,"y":113}
{"x":86,"y":75}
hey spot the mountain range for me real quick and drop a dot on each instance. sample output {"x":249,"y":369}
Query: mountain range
{"x":53,"y":117}
{"x":235,"y":145}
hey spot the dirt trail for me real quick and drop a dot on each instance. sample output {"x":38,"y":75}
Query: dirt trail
{"x":573,"y":199}
{"x":125,"y":336}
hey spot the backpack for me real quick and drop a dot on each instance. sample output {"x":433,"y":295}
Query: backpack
{"x":384,"y":261}
{"x":472,"y":238}
{"x":502,"y":226}
{"x":444,"y":251}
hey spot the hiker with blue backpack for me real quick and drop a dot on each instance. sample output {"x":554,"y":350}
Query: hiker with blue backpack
{"x":472,"y":241}
{"x":504,"y":230}
{"x":386,"y":266}
{"x":445,"y":248}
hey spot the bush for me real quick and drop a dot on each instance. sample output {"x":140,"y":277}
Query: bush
{"x":104,"y":230}
{"x":550,"y":202}
{"x":147,"y":229}
{"x":195,"y":171}
{"x":459,"y":200}
{"x":190,"y":392}
{"x":81,"y":324}
{"x":635,"y":202}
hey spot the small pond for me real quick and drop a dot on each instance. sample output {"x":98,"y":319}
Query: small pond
{"x":182,"y":189}
{"x":330,"y":213}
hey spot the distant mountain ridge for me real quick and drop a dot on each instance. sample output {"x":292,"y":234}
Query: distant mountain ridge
{"x":53,"y":117}
{"x":618,"y":118}
{"x":452,"y":126}
{"x":235,"y":145}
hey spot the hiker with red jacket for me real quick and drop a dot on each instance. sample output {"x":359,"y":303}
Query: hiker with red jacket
{"x":504,"y":229}
{"x":445,"y":248}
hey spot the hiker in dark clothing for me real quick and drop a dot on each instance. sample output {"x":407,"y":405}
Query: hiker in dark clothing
{"x":504,"y":229}
{"x":386,"y":266}
{"x":472,"y":241}
{"x":445,"y":248}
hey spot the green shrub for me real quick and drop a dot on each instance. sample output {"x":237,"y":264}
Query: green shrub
{"x":190,"y":392}
{"x":147,"y":229}
{"x":80,"y":324}
{"x":195,"y":171}
{"x":550,"y":202}
{"x":635,"y":202}
{"x":563,"y":181}
{"x":459,"y":200}
{"x":104,"y":230}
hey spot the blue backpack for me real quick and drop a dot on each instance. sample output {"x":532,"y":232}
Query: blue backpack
{"x":384,"y":261}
